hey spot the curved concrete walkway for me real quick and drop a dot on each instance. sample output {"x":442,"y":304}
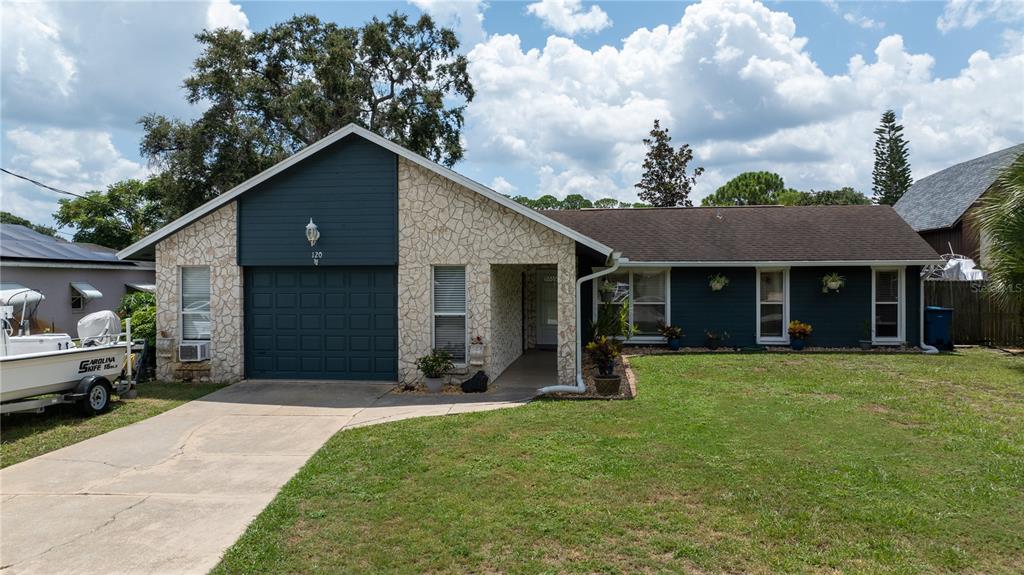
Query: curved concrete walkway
{"x":170,"y":494}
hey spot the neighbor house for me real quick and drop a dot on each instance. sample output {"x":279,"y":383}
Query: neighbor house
{"x":75,"y":278}
{"x":355,"y":256}
{"x":939,"y":206}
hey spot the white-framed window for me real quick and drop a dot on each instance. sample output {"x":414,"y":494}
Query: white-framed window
{"x":648,"y":293}
{"x":449,"y":295}
{"x":888,"y":293}
{"x":772,"y":305}
{"x":195,"y":303}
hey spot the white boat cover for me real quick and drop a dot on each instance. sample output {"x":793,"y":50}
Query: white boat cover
{"x":99,"y":328}
{"x":962,"y":269}
{"x":14,"y":294}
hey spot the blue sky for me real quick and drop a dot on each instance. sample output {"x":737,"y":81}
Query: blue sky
{"x":566,"y":89}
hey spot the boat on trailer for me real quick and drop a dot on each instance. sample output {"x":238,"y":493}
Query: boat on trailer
{"x":40,"y":370}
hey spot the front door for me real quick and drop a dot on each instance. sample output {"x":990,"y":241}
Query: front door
{"x":547,"y":308}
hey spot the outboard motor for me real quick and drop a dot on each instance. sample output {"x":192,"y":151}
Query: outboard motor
{"x":99,"y":328}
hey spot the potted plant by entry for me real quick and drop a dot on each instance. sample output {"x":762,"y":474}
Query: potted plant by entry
{"x":713,"y":339}
{"x":434,"y":367}
{"x":798,"y":333}
{"x":603,"y":351}
{"x":673,"y":335}
{"x":865,"y":341}
{"x":832,"y":282}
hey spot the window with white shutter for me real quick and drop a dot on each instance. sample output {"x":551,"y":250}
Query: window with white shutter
{"x":195,"y":303}
{"x":450,"y":311}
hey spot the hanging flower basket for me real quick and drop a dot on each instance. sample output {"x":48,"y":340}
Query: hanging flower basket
{"x":717,"y":282}
{"x":832,"y":282}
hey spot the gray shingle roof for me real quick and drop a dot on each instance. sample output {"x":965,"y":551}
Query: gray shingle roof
{"x":19,"y":242}
{"x":752,"y":233}
{"x":939,"y":200}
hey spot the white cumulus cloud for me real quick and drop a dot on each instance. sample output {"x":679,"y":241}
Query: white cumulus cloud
{"x":73,"y":160}
{"x":968,"y":13}
{"x":466,"y":17}
{"x":734,"y":80}
{"x":224,"y":14}
{"x":502,"y":186}
{"x":568,"y":16}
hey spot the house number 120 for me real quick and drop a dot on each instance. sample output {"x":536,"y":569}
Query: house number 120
{"x":317,"y":256}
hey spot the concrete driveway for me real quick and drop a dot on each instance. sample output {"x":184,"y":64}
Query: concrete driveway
{"x":170,"y":494}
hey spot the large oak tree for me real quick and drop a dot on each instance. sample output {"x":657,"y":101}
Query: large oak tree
{"x":272,"y":93}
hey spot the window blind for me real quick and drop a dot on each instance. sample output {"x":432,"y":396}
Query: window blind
{"x":450,"y":310}
{"x":195,"y":303}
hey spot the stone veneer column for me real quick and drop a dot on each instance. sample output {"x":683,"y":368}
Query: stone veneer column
{"x":443,"y":223}
{"x":210,"y":241}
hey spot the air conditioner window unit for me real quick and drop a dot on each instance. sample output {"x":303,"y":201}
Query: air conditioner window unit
{"x":194,"y":351}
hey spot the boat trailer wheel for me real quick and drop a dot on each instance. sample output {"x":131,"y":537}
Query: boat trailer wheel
{"x":97,"y":397}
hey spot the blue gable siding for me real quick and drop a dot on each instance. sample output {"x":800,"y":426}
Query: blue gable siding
{"x":837,"y":317}
{"x":696,"y":308}
{"x":351,"y":192}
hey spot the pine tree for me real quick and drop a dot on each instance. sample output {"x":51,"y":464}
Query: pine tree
{"x":665,"y":182}
{"x":891,"y":176}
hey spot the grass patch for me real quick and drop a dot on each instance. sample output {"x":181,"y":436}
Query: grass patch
{"x":27,"y":435}
{"x":756,"y":463}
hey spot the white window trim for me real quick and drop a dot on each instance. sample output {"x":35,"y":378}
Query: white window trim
{"x":771,"y":340}
{"x":638,"y":339}
{"x":181,"y":304}
{"x":465,"y":313}
{"x":901,"y":319}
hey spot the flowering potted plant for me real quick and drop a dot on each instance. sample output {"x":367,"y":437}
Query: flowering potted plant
{"x":673,"y":335}
{"x":717,"y":282}
{"x":799,"y":331}
{"x":434,"y":367}
{"x":832,"y":282}
{"x":713,"y":340}
{"x":603,"y":351}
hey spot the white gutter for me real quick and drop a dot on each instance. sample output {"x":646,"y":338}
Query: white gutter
{"x":580,"y":387}
{"x":924,"y":346}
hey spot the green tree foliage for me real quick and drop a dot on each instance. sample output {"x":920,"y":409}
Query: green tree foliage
{"x":116,"y":218}
{"x":547,"y":202}
{"x":9,"y":218}
{"x":891,"y":176}
{"x":790,"y":197}
{"x":665,"y":182}
{"x":141,"y":308}
{"x":846,"y":196}
{"x":279,"y":90}
{"x":576,"y":202}
{"x":1000,"y":218}
{"x":748,"y":189}
{"x":606,"y":203}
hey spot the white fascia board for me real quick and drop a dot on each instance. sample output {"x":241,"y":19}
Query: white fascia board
{"x":301,"y":155}
{"x":781,"y":264}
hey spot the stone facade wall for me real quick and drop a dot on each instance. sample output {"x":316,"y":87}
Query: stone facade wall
{"x":443,"y":223}
{"x":506,"y":316}
{"x":211,"y":241}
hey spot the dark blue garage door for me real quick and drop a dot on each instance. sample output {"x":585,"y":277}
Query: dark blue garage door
{"x":321,"y":323}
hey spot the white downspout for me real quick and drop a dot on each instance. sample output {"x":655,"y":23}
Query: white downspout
{"x":581,"y":387}
{"x":924,"y":346}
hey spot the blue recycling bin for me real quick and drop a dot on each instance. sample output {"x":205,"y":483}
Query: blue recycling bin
{"x":938,"y":327}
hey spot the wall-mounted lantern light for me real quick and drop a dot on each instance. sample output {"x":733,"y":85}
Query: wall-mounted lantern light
{"x":312,"y":233}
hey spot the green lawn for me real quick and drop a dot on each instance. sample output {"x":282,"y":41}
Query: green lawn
{"x":26,"y":435}
{"x":873,"y":463}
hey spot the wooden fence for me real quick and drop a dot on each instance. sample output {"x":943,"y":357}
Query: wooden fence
{"x":976,"y":319}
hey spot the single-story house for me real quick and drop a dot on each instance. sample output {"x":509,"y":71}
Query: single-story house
{"x":75,"y":278}
{"x":355,"y":256}
{"x":939,"y":206}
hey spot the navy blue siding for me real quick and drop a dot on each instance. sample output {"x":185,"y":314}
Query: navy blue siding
{"x":697,"y":309}
{"x":351,"y":192}
{"x":837,"y":317}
